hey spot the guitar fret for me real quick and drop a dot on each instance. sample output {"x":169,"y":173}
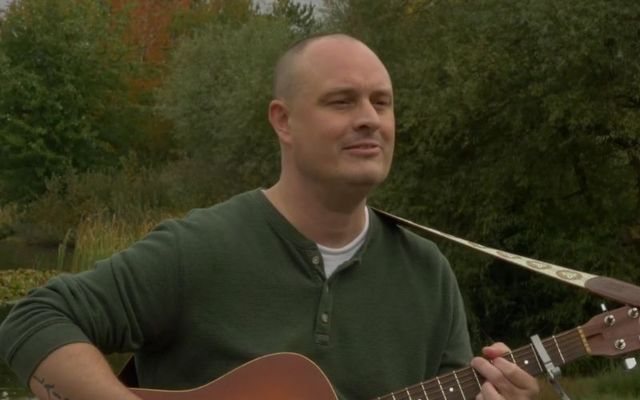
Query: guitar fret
{"x":424,"y":391}
{"x":569,"y":346}
{"x":535,"y":355}
{"x":441,"y":388}
{"x":558,"y":347}
{"x":475,"y":375}
{"x":460,"y":386}
{"x":562,"y":348}
{"x":525,"y":357}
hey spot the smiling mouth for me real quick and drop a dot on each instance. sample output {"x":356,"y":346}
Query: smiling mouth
{"x":364,"y":149}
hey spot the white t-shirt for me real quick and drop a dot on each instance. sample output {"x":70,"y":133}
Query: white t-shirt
{"x":332,"y":257}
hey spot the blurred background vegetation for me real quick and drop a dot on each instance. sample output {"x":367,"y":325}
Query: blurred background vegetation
{"x":518,"y":127}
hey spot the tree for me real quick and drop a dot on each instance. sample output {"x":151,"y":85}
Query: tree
{"x":517,"y":128}
{"x":202,"y":13}
{"x":300,"y":16}
{"x":63,"y":98}
{"x":217,"y":96}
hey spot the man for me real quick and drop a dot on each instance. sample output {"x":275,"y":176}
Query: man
{"x":303,"y":266}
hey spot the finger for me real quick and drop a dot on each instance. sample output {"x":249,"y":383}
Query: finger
{"x":506,"y":378}
{"x":489,"y":392}
{"x":495,"y":350}
{"x":485,"y":368}
{"x":494,"y":376}
{"x":516,"y":376}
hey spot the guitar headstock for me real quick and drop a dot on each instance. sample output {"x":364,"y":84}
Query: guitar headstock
{"x":613,"y":333}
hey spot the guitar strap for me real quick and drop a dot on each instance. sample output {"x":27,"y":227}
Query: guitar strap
{"x":610,"y":288}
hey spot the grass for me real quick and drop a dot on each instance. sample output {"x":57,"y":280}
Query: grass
{"x":614,"y":385}
{"x":15,"y":284}
{"x":100,"y":236}
{"x":611,"y":385}
{"x":94,"y":238}
{"x":8,"y":214}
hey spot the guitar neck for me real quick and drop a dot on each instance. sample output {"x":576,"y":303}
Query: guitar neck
{"x":465,"y":383}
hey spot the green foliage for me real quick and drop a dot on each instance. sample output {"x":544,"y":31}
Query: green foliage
{"x":202,"y":13}
{"x":517,"y":128}
{"x":62,"y":98}
{"x":130,"y":195}
{"x":217,"y":97}
{"x":611,"y":383}
{"x":15,"y":284}
{"x":299,"y":16}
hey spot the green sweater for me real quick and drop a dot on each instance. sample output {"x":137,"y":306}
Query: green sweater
{"x":204,"y":294}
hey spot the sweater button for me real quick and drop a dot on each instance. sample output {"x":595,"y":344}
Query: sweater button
{"x":324,"y":318}
{"x":315,"y":260}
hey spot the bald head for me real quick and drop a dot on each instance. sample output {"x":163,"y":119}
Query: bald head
{"x":288,"y":75}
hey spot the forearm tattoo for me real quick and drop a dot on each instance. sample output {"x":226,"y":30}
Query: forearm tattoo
{"x":52,"y":394}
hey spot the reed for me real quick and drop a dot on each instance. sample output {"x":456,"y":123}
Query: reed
{"x":8,"y":214}
{"x":99,"y":236}
{"x":8,"y":217}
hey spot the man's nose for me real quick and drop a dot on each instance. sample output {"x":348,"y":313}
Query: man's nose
{"x":367,"y":117}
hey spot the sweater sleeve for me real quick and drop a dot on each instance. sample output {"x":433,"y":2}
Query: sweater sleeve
{"x":457,"y":353}
{"x":128,"y":301}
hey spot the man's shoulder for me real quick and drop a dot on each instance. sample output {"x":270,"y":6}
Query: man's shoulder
{"x":232,"y":208}
{"x":391,"y":228}
{"x":410,"y":249}
{"x":236,"y":212}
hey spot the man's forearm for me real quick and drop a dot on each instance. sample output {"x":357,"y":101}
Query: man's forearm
{"x":76,"y":372}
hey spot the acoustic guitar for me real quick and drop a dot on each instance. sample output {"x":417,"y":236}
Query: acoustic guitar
{"x":290,"y":376}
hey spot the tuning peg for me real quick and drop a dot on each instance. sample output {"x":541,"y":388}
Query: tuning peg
{"x":629,"y":363}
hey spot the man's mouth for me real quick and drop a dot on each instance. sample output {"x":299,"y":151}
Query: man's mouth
{"x":368,"y":148}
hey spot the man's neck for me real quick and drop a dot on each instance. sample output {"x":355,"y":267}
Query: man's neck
{"x":317,"y":214}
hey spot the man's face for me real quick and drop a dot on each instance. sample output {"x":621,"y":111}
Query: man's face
{"x":341,"y":119}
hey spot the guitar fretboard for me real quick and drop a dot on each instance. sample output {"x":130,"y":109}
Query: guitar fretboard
{"x":465,"y":383}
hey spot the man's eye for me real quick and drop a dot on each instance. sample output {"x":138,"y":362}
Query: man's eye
{"x":382,"y":103}
{"x":340,"y":102}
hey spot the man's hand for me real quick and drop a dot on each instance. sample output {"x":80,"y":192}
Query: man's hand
{"x":504,"y":379}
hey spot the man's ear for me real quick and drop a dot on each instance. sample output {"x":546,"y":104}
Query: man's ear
{"x":279,"y":119}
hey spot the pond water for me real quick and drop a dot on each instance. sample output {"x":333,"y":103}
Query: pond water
{"x":11,"y":394}
{"x":10,"y":388}
{"x":18,"y":253}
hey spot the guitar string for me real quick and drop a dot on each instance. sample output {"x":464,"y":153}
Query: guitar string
{"x":564,"y":347}
{"x":461,"y":386}
{"x":518,"y":355}
{"x":449,"y":380}
{"x":466,"y":384}
{"x":466,"y":378}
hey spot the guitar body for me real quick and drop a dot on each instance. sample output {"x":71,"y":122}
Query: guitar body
{"x":280,"y":376}
{"x":290,"y":376}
